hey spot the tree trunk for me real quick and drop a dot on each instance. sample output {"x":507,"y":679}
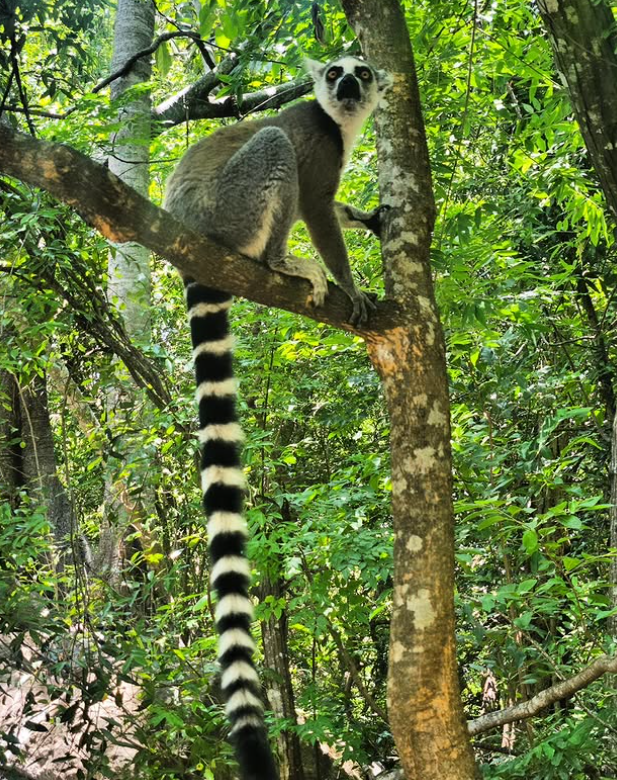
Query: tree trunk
{"x":613,"y":527}
{"x":280,"y":690}
{"x":129,"y":273}
{"x":584,"y":40}
{"x":39,"y":460}
{"x":11,"y":468}
{"x":128,"y":266}
{"x":423,"y":692}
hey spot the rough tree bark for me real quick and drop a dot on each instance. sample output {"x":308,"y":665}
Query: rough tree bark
{"x":424,"y":703}
{"x":584,"y":40}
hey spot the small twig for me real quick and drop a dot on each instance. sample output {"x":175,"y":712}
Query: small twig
{"x":206,"y":56}
{"x":36,"y":111}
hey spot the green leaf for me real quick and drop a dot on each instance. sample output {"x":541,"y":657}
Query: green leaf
{"x":202,"y":603}
{"x":530,"y":541}
{"x":163,"y":59}
{"x":526,"y":585}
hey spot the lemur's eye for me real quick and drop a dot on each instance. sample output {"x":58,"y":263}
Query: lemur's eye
{"x":332,"y":74}
{"x":364,"y":73}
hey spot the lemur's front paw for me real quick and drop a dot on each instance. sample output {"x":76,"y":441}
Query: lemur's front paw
{"x":374,"y":221}
{"x":363,"y":304}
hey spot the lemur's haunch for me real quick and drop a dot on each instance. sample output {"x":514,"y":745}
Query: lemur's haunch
{"x":244,"y":186}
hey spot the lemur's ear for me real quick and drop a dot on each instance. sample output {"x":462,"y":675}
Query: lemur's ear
{"x":313,"y":68}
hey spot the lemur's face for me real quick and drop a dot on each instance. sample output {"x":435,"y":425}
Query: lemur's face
{"x":348,"y":86}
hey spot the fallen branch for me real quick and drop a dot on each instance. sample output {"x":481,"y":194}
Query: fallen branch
{"x":605,"y":664}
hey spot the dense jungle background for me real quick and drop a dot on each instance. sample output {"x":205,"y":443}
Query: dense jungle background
{"x":107,"y":645}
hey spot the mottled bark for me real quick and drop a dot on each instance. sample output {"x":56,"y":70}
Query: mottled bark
{"x":424,"y":703}
{"x":584,"y":40}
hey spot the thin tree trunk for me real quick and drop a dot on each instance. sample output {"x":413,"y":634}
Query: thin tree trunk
{"x":39,"y":460}
{"x":424,"y":702}
{"x":11,"y":467}
{"x":613,"y":527}
{"x":584,"y":39}
{"x":128,"y":266}
{"x":280,"y":690}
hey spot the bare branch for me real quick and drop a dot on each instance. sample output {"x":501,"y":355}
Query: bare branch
{"x":605,"y":664}
{"x":194,"y":103}
{"x":122,"y":215}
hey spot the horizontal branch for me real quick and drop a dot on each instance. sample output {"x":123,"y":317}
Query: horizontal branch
{"x":605,"y":664}
{"x":195,"y":102}
{"x":122,"y":215}
{"x":180,"y":106}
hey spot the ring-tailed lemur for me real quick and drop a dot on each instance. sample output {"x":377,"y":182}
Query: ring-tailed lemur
{"x":244,"y":186}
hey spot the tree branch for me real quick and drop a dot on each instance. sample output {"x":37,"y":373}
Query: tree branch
{"x":194,"y":103}
{"x":605,"y":664}
{"x":121,"y":215}
{"x":126,"y":66}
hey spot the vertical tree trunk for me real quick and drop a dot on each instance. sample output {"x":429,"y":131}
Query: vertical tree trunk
{"x":584,"y":39}
{"x":424,"y":702}
{"x":128,"y":266}
{"x":613,"y":526}
{"x":129,"y":273}
{"x":280,"y":691}
{"x":11,"y":468}
{"x":39,"y":460}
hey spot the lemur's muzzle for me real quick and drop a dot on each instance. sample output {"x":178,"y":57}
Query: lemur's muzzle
{"x":348,"y":88}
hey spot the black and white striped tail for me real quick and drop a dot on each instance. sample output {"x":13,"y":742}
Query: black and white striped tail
{"x":223,"y":486}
